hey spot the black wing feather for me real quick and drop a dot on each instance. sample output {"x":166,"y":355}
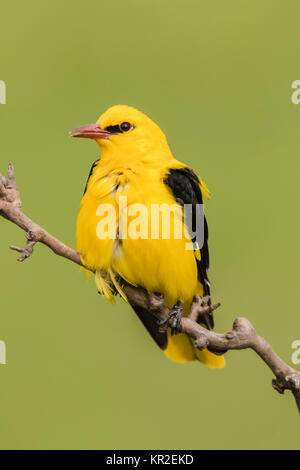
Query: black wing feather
{"x":185,"y":187}
{"x":90,"y":174}
{"x":151,"y":324}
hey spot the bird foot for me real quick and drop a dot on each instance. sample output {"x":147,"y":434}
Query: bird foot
{"x":173,"y":319}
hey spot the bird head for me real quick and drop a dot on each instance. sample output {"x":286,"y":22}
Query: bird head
{"x":123,"y":131}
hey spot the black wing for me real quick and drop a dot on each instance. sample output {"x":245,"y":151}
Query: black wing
{"x":151,"y":324}
{"x":185,"y":187}
{"x":90,"y":174}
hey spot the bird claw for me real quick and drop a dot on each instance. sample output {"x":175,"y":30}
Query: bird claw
{"x":175,"y":315}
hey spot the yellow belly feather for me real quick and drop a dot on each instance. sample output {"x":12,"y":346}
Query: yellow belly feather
{"x":158,"y":265}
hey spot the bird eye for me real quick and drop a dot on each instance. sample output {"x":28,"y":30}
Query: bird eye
{"x":125,"y":126}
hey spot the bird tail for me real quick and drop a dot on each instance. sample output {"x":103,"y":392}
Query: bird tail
{"x":180,"y":349}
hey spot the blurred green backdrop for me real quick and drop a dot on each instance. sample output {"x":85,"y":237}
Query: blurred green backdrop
{"x":217,"y":78}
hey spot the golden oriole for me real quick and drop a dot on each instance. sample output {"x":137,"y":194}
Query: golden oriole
{"x":137,"y":166}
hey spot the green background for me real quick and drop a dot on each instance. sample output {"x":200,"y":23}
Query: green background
{"x":216,"y":76}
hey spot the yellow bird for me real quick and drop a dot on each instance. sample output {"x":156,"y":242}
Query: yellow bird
{"x":119,"y":235}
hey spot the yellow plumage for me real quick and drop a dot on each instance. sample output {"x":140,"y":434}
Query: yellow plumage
{"x":133,"y":167}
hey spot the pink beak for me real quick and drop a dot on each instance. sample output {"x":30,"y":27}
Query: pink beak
{"x":91,"y":131}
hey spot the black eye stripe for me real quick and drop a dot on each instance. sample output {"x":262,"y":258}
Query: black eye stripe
{"x":119,"y":129}
{"x":113,"y":129}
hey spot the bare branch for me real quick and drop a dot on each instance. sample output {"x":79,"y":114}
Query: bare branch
{"x":11,"y":209}
{"x":242,"y":335}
